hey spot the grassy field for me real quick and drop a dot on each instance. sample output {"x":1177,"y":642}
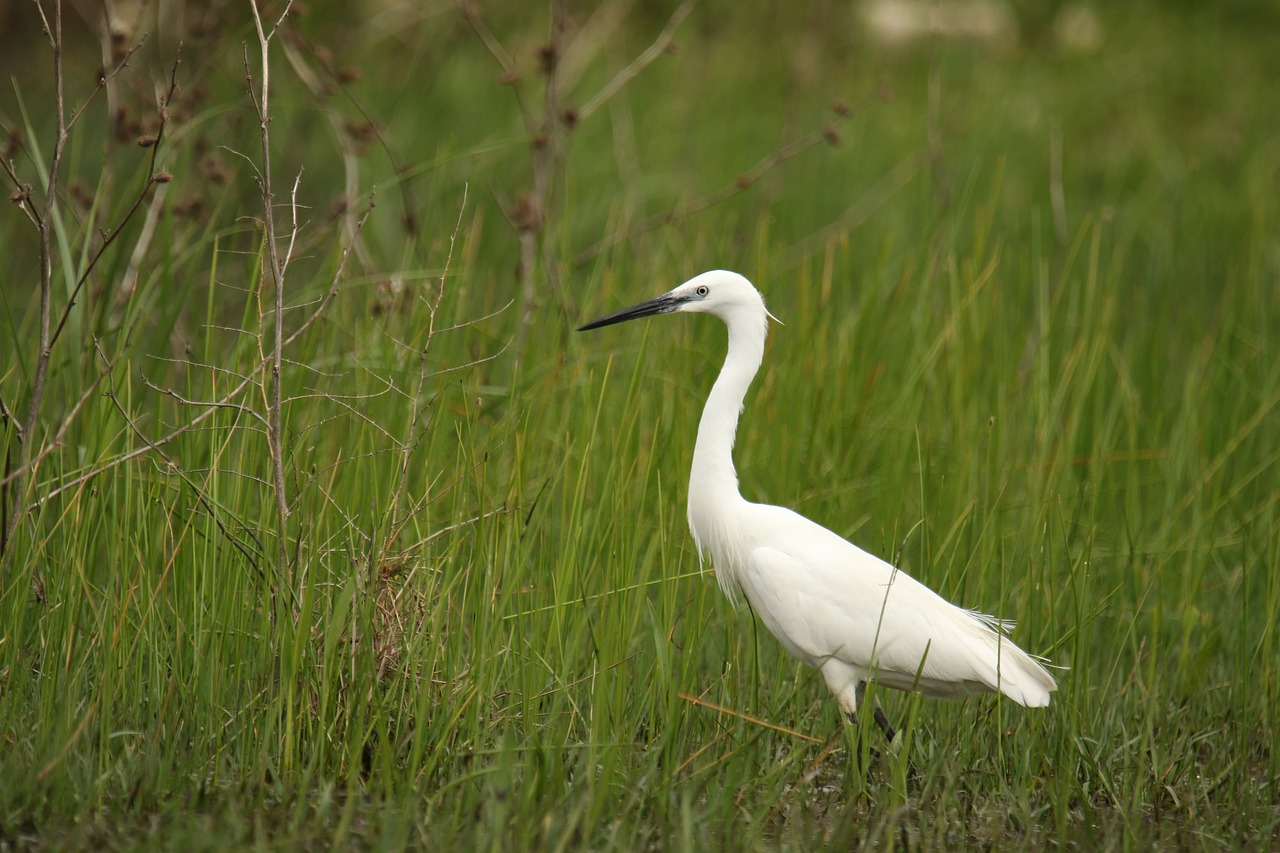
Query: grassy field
{"x":433,"y":586}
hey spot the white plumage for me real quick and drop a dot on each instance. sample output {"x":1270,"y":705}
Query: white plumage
{"x":844,"y":612}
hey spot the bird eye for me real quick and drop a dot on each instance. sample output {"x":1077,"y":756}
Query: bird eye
{"x":702,"y":291}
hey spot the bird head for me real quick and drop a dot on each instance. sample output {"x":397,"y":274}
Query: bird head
{"x":725,"y":294}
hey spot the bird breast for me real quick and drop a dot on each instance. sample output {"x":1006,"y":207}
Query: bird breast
{"x":722,"y":537}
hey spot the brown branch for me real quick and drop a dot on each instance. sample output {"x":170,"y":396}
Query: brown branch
{"x":335,"y":281}
{"x":277,"y":269}
{"x":397,"y":519}
{"x":346,"y":144}
{"x":14,"y":484}
{"x":56,"y":442}
{"x":177,"y":469}
{"x":436,"y":534}
{"x":7,"y":417}
{"x":103,"y":80}
{"x":206,"y":404}
{"x":510,"y":74}
{"x":212,"y":406}
{"x":22,"y":191}
{"x":109,"y":238}
{"x":639,"y":64}
{"x":14,"y":499}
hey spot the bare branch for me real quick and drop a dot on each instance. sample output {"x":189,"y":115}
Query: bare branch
{"x":639,"y":64}
{"x":466,"y":324}
{"x":293,"y":230}
{"x":54,"y":41}
{"x":334,"y":282}
{"x":103,"y":80}
{"x":510,"y":74}
{"x":6,"y":417}
{"x":398,"y":519}
{"x":177,"y":469}
{"x":436,"y":534}
{"x":248,"y":411}
{"x":133,"y":454}
{"x":56,"y":442}
{"x":211,"y":406}
{"x":345,"y":141}
{"x":14,"y":480}
{"x":153,"y":210}
{"x":22,"y":192}
{"x":275,"y":415}
{"x":12,"y":497}
{"x":276,"y":25}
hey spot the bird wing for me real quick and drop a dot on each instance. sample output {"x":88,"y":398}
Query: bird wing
{"x":824,"y":597}
{"x":817,"y":613}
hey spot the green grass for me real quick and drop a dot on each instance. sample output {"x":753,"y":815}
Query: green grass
{"x":492,"y":631}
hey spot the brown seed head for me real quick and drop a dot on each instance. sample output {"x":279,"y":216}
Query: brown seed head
{"x":547,"y":58}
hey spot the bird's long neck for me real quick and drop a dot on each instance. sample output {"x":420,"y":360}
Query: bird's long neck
{"x":713,"y":483}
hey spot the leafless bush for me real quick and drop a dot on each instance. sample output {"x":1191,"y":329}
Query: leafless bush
{"x":30,"y":444}
{"x":251,"y":384}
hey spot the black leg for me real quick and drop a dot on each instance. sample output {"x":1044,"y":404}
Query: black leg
{"x":883,"y":722}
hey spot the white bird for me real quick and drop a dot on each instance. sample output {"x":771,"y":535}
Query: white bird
{"x":845,"y":612}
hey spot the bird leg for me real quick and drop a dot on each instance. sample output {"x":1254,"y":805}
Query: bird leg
{"x":882,"y":719}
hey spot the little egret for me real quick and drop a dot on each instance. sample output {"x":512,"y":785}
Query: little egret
{"x":842,"y":611}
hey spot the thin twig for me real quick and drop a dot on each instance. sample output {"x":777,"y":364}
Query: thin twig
{"x":397,"y":519}
{"x":335,"y":281}
{"x":110,"y":237}
{"x":248,"y":411}
{"x":35,"y":401}
{"x":177,"y":469}
{"x":639,"y":64}
{"x":346,"y":145}
{"x":14,"y":484}
{"x":277,"y":268}
{"x":22,"y":194}
{"x":747,"y":717}
{"x":436,"y":534}
{"x":510,"y":74}
{"x":67,"y":420}
{"x":103,"y":80}
{"x":212,"y":406}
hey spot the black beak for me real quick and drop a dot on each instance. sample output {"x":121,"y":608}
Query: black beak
{"x":664,"y":304}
